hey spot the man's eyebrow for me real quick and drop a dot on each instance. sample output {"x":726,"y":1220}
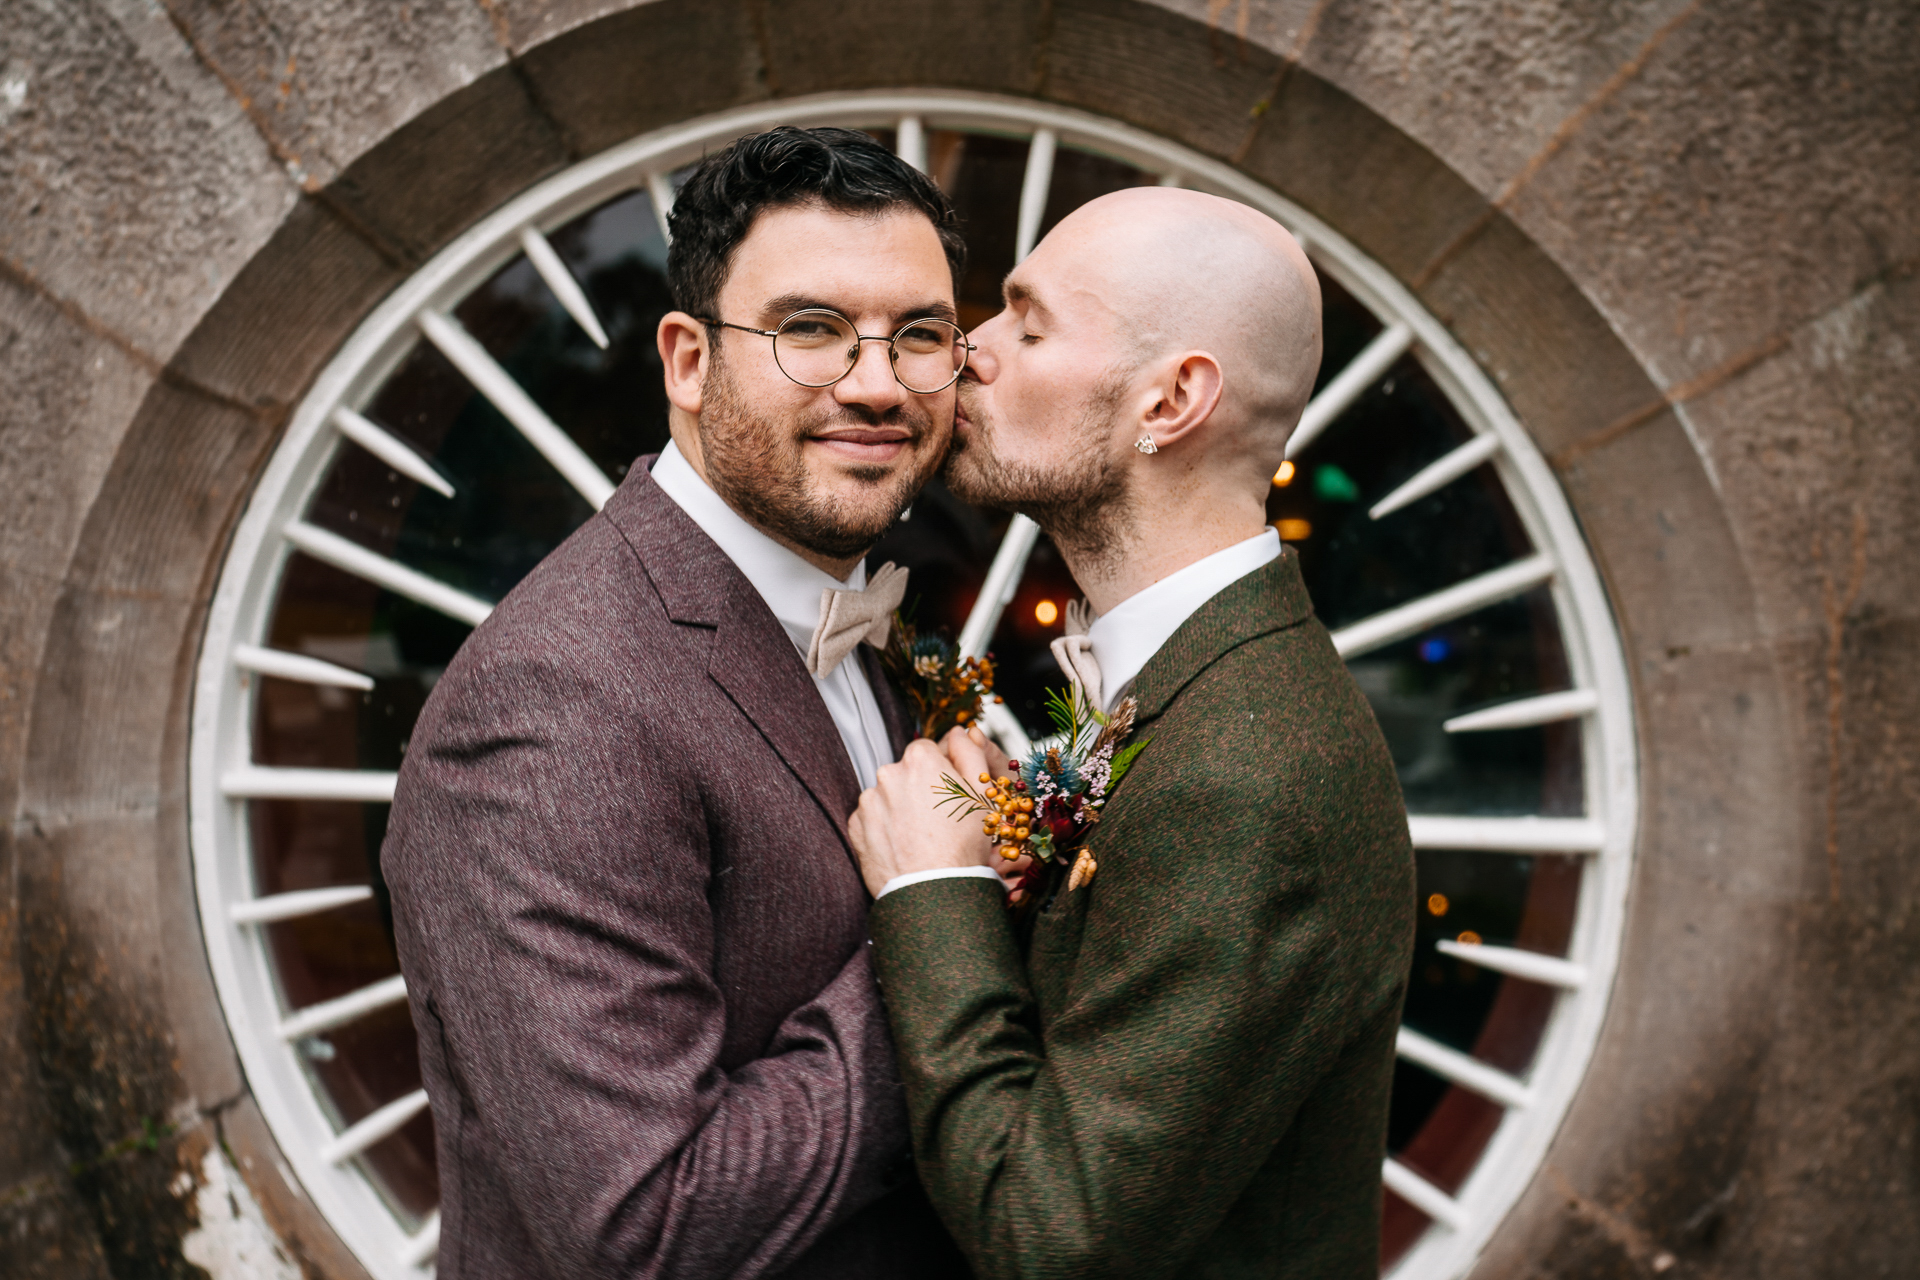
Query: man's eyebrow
{"x":778,"y":309}
{"x":1015,"y":291}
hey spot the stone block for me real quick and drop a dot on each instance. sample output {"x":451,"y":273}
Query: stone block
{"x":1760,"y":167}
{"x":655,"y":65}
{"x":1660,"y":537}
{"x":1814,"y":447}
{"x":1564,"y":372}
{"x":66,"y":394}
{"x":526,"y":24}
{"x":1484,"y":86}
{"x":820,"y":45}
{"x":297,"y":1225}
{"x":131,"y":184}
{"x":287,"y":312}
{"x":453,"y":163}
{"x":1281,"y":26}
{"x":327,"y":81}
{"x":1335,"y":157}
{"x":166,"y":507}
{"x":1158,"y":70}
{"x":102,"y":708}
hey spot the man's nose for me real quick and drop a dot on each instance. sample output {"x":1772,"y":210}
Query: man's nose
{"x":871,"y":382}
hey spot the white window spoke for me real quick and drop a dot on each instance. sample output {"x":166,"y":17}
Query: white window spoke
{"x":1523,"y":713}
{"x":379,"y":1125}
{"x":390,"y":449}
{"x":1462,"y":1069}
{"x":1531,"y":965}
{"x":516,"y":406}
{"x":424,"y":1246}
{"x":1507,"y":835}
{"x":1033,"y":192}
{"x":297,"y":666}
{"x":660,"y":195}
{"x":1424,"y":1196}
{"x":1438,"y":474}
{"x":351,"y":557}
{"x":1462,"y":598}
{"x":298,"y":904}
{"x":1349,"y":384}
{"x":910,"y":142}
{"x":565,"y":288}
{"x":259,"y":782}
{"x":341,"y":1010}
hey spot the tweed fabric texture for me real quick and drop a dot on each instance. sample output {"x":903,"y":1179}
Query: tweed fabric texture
{"x":1184,"y":1069}
{"x":632,"y":931}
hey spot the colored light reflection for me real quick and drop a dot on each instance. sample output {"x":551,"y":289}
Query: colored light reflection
{"x":1046,"y":612}
{"x":1294,"y":530}
{"x":1284,"y":476}
{"x":1437,"y":904}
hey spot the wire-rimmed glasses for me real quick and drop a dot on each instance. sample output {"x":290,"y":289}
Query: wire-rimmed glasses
{"x":816,"y":347}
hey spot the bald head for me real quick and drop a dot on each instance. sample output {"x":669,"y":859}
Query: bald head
{"x":1182,"y":271}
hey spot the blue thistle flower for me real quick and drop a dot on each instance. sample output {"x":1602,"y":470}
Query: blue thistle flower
{"x":1057,"y":767}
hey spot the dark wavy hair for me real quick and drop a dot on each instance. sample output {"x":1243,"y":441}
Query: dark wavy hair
{"x":841,"y":168}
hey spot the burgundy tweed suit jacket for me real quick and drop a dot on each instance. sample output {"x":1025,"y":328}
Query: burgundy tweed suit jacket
{"x":634,"y":935}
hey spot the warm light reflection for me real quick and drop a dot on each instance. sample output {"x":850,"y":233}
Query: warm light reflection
{"x":1045,"y":612}
{"x":1470,"y":938}
{"x":1292,"y":530}
{"x":1284,"y":476}
{"x":1437,"y":903}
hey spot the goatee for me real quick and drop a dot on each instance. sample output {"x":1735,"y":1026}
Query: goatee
{"x":756,"y":465}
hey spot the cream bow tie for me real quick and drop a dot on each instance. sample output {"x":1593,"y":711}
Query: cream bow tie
{"x":848,"y":617}
{"x":1074,"y":652}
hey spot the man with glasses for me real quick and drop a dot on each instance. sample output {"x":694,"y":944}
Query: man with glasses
{"x":632,"y":928}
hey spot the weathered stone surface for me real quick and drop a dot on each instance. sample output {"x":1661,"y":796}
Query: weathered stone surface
{"x":453,"y":163}
{"x":288,"y":311}
{"x":1486,"y":87}
{"x":1343,"y":163}
{"x":325,"y":81}
{"x":992,"y":45}
{"x":131,"y":185}
{"x":659,"y":64}
{"x":1760,"y":168}
{"x":1815,"y":450}
{"x":302,"y":1233}
{"x":1138,"y":63}
{"x":1563,"y":371}
{"x":525,"y":24}
{"x":48,"y":1233}
{"x":1672,"y":566}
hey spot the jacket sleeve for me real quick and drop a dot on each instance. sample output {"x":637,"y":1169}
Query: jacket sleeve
{"x":549,"y":864}
{"x":1200,"y":995}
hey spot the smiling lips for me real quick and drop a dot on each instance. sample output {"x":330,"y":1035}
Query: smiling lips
{"x":865,"y":444}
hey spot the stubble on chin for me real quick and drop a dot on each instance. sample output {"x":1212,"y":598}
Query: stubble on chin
{"x":758,"y":466}
{"x":1083,"y":501}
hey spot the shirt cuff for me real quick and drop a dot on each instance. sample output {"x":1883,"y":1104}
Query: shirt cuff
{"x":938,"y":873}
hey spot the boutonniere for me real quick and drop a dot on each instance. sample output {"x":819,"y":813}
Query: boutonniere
{"x":944,"y":689}
{"x":1044,"y":807}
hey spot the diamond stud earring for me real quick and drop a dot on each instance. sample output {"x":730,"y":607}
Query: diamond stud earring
{"x":1145,"y":444}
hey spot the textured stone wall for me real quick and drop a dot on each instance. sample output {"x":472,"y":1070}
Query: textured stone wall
{"x":1678,"y":235}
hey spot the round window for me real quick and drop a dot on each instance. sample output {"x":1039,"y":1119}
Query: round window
{"x":491,"y":404}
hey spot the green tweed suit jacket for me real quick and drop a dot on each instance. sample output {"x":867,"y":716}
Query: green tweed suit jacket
{"x":1184,"y":1070}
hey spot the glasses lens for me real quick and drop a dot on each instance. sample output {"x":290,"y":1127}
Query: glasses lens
{"x":928,"y":355}
{"x":815,"y":348}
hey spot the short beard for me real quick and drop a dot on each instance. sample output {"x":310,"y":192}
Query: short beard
{"x":1086,"y":504}
{"x":755,"y":464}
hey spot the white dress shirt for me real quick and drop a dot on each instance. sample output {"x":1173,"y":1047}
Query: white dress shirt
{"x":791,"y":587}
{"x":1126,"y":636}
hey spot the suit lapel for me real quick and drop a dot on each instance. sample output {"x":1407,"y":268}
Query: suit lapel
{"x":751,"y":657}
{"x":1271,"y":598}
{"x":893,"y":712}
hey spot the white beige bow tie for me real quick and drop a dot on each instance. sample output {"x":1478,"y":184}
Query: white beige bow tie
{"x":848,"y":617}
{"x":1074,"y":652}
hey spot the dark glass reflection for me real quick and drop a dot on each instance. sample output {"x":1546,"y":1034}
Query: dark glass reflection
{"x":510,"y":509}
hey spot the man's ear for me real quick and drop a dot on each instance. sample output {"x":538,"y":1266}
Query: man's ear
{"x":1189,"y":393}
{"x":683,"y":353}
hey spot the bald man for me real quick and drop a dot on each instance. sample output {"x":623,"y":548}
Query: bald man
{"x":1180,"y":1067}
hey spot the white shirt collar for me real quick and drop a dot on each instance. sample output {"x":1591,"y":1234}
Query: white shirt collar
{"x":1130,"y":633}
{"x":790,"y":586}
